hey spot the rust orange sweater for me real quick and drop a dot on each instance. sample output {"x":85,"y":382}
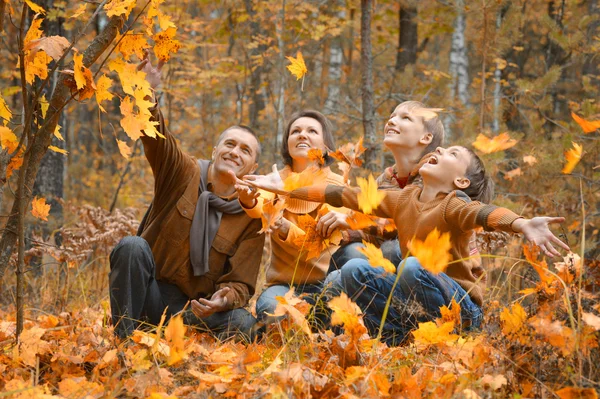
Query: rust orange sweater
{"x":454,"y":213}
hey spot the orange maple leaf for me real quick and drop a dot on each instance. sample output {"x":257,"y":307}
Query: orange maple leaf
{"x":5,"y":112}
{"x":40,"y":209}
{"x":512,"y":174}
{"x":287,"y":305}
{"x":541,"y":267}
{"x":376,"y":258}
{"x":133,"y":44}
{"x":311,"y":241}
{"x":297,"y":66}
{"x":433,"y":253}
{"x":430,"y":334}
{"x":359,"y":221}
{"x":587,"y":126}
{"x":124,"y":149}
{"x":555,"y":333}
{"x":347,"y":313}
{"x":175,"y":334}
{"x":451,"y":313}
{"x":165,"y":44}
{"x":272,"y":211}
{"x":102,"y":93}
{"x":500,"y":142}
{"x":369,"y":196}
{"x":316,"y":155}
{"x":513,"y":320}
{"x":349,"y":157}
{"x":573,"y":156}
{"x":119,"y":7}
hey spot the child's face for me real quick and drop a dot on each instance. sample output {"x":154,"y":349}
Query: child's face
{"x":448,"y":166}
{"x":405,"y":129}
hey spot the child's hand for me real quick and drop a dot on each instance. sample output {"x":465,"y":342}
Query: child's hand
{"x":282,"y":227}
{"x":536,"y":231}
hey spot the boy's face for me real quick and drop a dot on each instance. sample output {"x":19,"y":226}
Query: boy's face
{"x":448,"y":167}
{"x":405,"y":129}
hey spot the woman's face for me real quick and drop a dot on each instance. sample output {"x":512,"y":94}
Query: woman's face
{"x":305,"y":134}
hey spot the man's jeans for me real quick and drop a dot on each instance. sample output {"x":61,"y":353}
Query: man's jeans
{"x":390,"y":250}
{"x":266,"y":302}
{"x":136,"y":298}
{"x":417,"y":297}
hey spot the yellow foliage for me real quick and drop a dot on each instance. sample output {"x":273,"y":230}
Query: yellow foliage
{"x":131,"y":44}
{"x":119,"y":7}
{"x":451,"y":314}
{"x":572,"y":156}
{"x":369,"y":196}
{"x":500,"y":142}
{"x":165,"y":44}
{"x":8,"y":140}
{"x":124,"y":149}
{"x":175,"y":334}
{"x":375,"y":257}
{"x":513,"y":320}
{"x":102,"y":93}
{"x":35,"y":8}
{"x":430,"y":334}
{"x":433,"y":253}
{"x":78,"y":69}
{"x":5,"y":113}
{"x":297,"y":66}
{"x":37,"y":66}
{"x":577,"y":393}
{"x":34,"y":32}
{"x":40,"y":209}
{"x":310,"y":176}
{"x":346,"y":313}
{"x":57,"y":149}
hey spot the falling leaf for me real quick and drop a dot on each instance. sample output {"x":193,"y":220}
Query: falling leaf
{"x":56,"y":149}
{"x":297,"y":66}
{"x":427,"y":113}
{"x":165,"y":44}
{"x":429,"y":333}
{"x":40,"y":209}
{"x":102,"y":93}
{"x":310,"y":176}
{"x":79,"y":11}
{"x":35,"y":8}
{"x":8,"y":140}
{"x":495,"y":144}
{"x":555,"y":333}
{"x":350,"y":153}
{"x":577,"y":393}
{"x":272,"y":211}
{"x":310,"y":241}
{"x":164,"y":21}
{"x":452,"y":313}
{"x":54,"y":46}
{"x":573,"y":156}
{"x":119,"y":7}
{"x":433,"y":253}
{"x":359,"y":221}
{"x":513,"y":320}
{"x":124,"y":149}
{"x":174,"y":334}
{"x":376,"y":258}
{"x":512,"y":174}
{"x":316,"y":155}
{"x":541,"y":267}
{"x":587,"y":126}
{"x":287,"y":305}
{"x":5,"y":113}
{"x":369,"y":196}
{"x":57,"y":133}
{"x":530,"y":160}
{"x":133,"y":44}
{"x":346,"y":313}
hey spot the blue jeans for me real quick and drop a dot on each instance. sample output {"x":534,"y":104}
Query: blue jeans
{"x":266,"y":302}
{"x":417,"y":297}
{"x":345,"y":253}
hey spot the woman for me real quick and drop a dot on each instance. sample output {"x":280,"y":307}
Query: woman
{"x":289,"y":267}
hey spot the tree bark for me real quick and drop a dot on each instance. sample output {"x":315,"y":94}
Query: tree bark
{"x":459,"y":59}
{"x":43,"y":137}
{"x":2,"y":10}
{"x":368,"y":107}
{"x":257,"y":105}
{"x":408,"y":39}
{"x":282,"y":79}
{"x":336,"y":58}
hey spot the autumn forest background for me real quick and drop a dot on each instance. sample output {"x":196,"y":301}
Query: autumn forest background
{"x":518,"y":80}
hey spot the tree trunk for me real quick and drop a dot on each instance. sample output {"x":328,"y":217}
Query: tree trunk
{"x":282,"y":80}
{"x":368,"y":107}
{"x":336,"y":58}
{"x":408,"y":39}
{"x":257,"y":104}
{"x":43,"y":137}
{"x":590,"y":65}
{"x":2,"y":10}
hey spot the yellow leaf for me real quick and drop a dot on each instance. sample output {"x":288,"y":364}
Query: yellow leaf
{"x":5,"y":113}
{"x":316,"y":155}
{"x":451,"y":314}
{"x":80,"y":388}
{"x":375,"y":257}
{"x":577,"y":393}
{"x":40,"y":209}
{"x":310,"y":241}
{"x":287,"y":305}
{"x":44,"y":104}
{"x":573,"y":156}
{"x":59,"y":150}
{"x":57,"y":133}
{"x":119,"y":7}
{"x":512,"y":174}
{"x":346,"y":313}
{"x":530,"y":160}
{"x":102,"y":93}
{"x":78,"y":71}
{"x":369,"y":197}
{"x":175,"y":334}
{"x":429,"y":333}
{"x":433,"y":253}
{"x":79,"y":11}
{"x":130,"y":123}
{"x":130,"y":77}
{"x":165,"y":44}
{"x":34,"y":32}
{"x":495,"y":144}
{"x":37,"y":66}
{"x":272,"y":211}
{"x":310,"y":176}
{"x":124,"y":149}
{"x":133,"y":44}
{"x":35,"y":8}
{"x":359,"y":221}
{"x":8,"y":139}
{"x":297,"y":66}
{"x":513,"y":320}
{"x":142,"y":103}
{"x":587,"y":126}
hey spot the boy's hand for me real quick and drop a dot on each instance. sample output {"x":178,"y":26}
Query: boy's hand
{"x":536,"y":230}
{"x":217,"y":303}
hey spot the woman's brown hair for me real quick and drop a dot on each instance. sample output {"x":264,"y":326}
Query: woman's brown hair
{"x":328,"y":138}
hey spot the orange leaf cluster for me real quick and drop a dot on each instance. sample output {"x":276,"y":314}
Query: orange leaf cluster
{"x":272,"y":212}
{"x":349,"y":156}
{"x":375,"y":257}
{"x":500,"y":142}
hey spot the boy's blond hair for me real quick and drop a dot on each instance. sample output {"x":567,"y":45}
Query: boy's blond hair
{"x":431,"y":122}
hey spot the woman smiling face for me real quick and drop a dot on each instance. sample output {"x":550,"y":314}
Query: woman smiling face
{"x":305,"y":134}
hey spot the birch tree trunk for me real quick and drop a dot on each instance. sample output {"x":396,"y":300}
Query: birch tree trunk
{"x":282,"y":80}
{"x":408,"y":39}
{"x":257,"y":103}
{"x":336,"y":57}
{"x":368,"y":107}
{"x":459,"y":65}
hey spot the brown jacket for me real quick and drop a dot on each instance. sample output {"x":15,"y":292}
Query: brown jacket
{"x":236,"y":252}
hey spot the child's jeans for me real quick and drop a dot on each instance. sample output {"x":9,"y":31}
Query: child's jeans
{"x":417,"y":297}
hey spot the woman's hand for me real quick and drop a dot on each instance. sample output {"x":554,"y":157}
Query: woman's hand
{"x":331,"y":221}
{"x":536,"y":230}
{"x":271,"y":182}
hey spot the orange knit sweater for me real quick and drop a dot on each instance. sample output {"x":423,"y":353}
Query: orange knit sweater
{"x":454,"y":213}
{"x":286,"y":260}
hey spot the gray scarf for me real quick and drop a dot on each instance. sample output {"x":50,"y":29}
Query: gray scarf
{"x":206,"y":222}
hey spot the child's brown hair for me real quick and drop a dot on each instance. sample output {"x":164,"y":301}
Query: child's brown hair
{"x":431,"y":122}
{"x":482,"y":186}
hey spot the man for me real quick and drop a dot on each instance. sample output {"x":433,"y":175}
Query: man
{"x":195,"y":242}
